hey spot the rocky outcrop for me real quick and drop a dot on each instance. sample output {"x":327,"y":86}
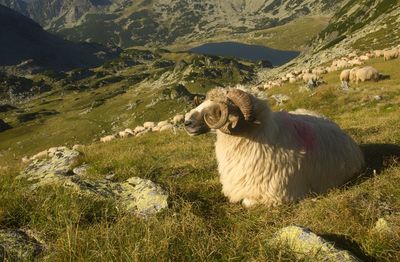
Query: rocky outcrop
{"x":59,"y":166}
{"x":308,"y":246}
{"x":17,"y":245}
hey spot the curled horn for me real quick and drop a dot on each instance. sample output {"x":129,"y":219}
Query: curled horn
{"x":197,"y":101}
{"x":242,"y":100}
{"x":216,"y":117}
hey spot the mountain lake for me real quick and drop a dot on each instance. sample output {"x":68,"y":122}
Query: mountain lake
{"x":246,"y":52}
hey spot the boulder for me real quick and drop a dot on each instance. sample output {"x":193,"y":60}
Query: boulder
{"x":308,"y":246}
{"x":138,"y":196}
{"x":16,"y":245}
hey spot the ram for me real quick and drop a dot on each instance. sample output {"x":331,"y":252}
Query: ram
{"x":271,"y":158}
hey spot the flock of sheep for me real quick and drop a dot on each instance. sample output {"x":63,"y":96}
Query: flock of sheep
{"x":356,"y":74}
{"x":146,"y":128}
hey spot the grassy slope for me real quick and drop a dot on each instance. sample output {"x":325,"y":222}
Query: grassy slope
{"x":71,"y":126}
{"x":200,"y":224}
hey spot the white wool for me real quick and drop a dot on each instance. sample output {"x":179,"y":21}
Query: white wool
{"x":284,"y":157}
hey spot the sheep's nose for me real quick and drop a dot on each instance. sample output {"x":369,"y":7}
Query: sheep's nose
{"x":188,"y":123}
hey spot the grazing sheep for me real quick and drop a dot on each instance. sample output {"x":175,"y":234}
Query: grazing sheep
{"x":364,"y":58}
{"x":166,"y":127}
{"x":124,"y":134}
{"x":149,"y":125}
{"x":345,"y":78}
{"x":310,"y":77}
{"x":78,"y":147}
{"x":391,"y":54}
{"x":355,"y":62}
{"x":353,"y":74}
{"x":367,"y":73}
{"x":156,"y":129}
{"x":178,"y":119}
{"x":130,"y":131}
{"x":162,"y":123}
{"x":271,"y":158}
{"x":139,"y":129}
{"x":108,"y":138}
{"x":319,"y":71}
{"x":378,"y":53}
{"x":40,"y":155}
{"x":292,"y":80}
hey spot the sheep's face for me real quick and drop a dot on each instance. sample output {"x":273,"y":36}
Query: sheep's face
{"x":194,"y":120}
{"x":223,"y":109}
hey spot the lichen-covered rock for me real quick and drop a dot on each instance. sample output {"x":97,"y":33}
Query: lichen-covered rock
{"x":141,"y":196}
{"x":16,"y":245}
{"x":53,"y":169}
{"x":135,"y":195}
{"x":306,"y":245}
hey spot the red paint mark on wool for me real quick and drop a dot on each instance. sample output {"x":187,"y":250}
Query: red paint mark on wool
{"x":304,"y":132}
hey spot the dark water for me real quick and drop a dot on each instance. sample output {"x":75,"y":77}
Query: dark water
{"x":246,"y":52}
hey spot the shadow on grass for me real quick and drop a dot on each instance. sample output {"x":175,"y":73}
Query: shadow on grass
{"x":379,"y":157}
{"x":346,"y":243}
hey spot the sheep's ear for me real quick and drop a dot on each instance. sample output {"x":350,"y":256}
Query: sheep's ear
{"x":196,"y":101}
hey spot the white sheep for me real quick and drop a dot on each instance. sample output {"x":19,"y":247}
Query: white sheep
{"x":292,"y":80}
{"x":139,"y":129}
{"x":149,"y":125}
{"x":310,"y":77}
{"x":345,"y":78}
{"x":378,"y":53}
{"x":162,"y":123}
{"x":124,"y":134}
{"x":271,"y":158}
{"x":364,"y":57}
{"x":166,"y":127}
{"x":353,"y":74}
{"x":40,"y":155}
{"x":130,"y":131}
{"x":178,"y":119}
{"x":108,"y":138}
{"x":367,"y":73}
{"x":390,"y":54}
{"x":319,"y":71}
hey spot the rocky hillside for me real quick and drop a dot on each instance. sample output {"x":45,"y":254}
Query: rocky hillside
{"x":358,"y":26}
{"x":126,"y":23}
{"x":24,"y":45}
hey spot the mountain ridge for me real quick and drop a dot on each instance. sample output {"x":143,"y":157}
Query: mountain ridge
{"x":25,"y":43}
{"x":164,"y":22}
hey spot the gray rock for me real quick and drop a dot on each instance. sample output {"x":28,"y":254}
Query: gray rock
{"x":16,"y":245}
{"x":281,"y":98}
{"x":80,"y":170}
{"x":306,"y":245}
{"x":53,"y":169}
{"x":135,"y":195}
{"x":141,"y":196}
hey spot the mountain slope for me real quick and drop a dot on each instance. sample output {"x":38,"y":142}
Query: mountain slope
{"x":127,"y":23}
{"x":22,"y":39}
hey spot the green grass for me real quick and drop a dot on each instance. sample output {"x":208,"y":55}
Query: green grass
{"x":201,"y":225}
